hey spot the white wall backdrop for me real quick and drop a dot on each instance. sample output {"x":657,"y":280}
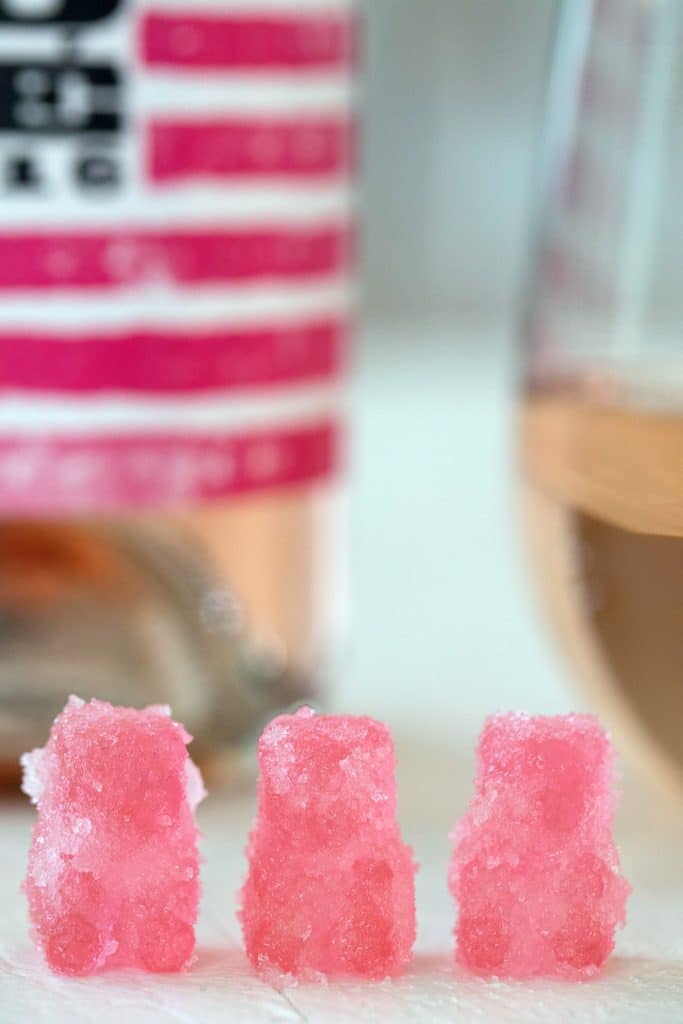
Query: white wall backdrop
{"x":453,"y":104}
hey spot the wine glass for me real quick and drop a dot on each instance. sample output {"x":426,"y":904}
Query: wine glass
{"x":602,"y":413}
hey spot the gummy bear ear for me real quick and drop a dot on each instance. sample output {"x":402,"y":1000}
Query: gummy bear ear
{"x":159,"y":709}
{"x":305,"y":712}
{"x":32,"y":781}
{"x":500,"y":741}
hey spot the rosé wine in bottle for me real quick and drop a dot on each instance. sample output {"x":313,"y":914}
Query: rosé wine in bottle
{"x":175,"y":308}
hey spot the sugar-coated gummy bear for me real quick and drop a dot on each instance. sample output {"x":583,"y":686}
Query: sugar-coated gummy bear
{"x":330,"y":887}
{"x":113,"y":871}
{"x":534,"y":871}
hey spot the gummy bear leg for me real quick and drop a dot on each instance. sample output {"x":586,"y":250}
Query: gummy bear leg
{"x":166,"y":943}
{"x":75,"y":946}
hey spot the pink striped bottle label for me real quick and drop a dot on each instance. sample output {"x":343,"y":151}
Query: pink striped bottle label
{"x":321,"y":40}
{"x":176,"y":249}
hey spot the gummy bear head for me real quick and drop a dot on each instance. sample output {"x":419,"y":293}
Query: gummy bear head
{"x":326,"y":777}
{"x":552,"y":771}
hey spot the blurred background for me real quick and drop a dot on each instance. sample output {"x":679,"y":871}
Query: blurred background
{"x":200,"y":506}
{"x":240,"y":472}
{"x":521,"y":211}
{"x":453,"y":99}
{"x":454,"y":95}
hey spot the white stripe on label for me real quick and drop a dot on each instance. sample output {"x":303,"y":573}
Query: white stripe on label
{"x":197,"y":205}
{"x":184,"y":308}
{"x":108,"y":415}
{"x":247,"y":93}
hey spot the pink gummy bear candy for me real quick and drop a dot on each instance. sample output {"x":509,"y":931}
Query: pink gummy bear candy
{"x":330,"y":888}
{"x":113,"y":871}
{"x":535,"y":871}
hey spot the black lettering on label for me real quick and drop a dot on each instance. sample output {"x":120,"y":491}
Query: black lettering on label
{"x":97,"y":170}
{"x":38,"y":98}
{"x":56,"y":12}
{"x":21,"y":173}
{"x":75,"y":103}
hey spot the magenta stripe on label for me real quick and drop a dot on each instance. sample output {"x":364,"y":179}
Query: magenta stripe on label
{"x":215,"y":41}
{"x":265,"y":147}
{"x":123,"y":258}
{"x":93,"y":473}
{"x":170,"y":362}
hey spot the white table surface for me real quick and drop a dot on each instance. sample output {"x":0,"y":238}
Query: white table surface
{"x":642,"y":983}
{"x":444,"y":632}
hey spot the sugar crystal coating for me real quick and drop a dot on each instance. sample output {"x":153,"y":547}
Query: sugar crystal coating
{"x":330,"y":887}
{"x":113,"y":871}
{"x":534,"y":871}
